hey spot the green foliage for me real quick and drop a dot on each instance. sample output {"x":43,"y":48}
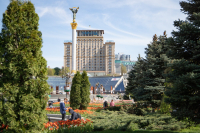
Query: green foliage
{"x":83,"y":128}
{"x":50,"y":71}
{"x":184,"y":47}
{"x":183,"y":95}
{"x":57,"y":70}
{"x":132,"y":126}
{"x":164,"y":107}
{"x":123,"y":69}
{"x":121,"y":121}
{"x":23,"y":70}
{"x":85,"y":91}
{"x":75,"y":93}
{"x":131,"y":85}
{"x":146,"y":80}
{"x":64,"y":71}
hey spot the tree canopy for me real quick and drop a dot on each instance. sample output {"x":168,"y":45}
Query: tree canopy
{"x":23,"y":69}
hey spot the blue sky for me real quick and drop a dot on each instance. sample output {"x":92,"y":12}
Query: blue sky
{"x":130,"y":23}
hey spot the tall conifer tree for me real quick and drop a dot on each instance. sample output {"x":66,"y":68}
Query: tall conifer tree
{"x":75,"y":99}
{"x":157,"y":60}
{"x":85,"y":91}
{"x":184,"y":94}
{"x":23,"y":70}
{"x":147,"y":81}
{"x":138,"y":83}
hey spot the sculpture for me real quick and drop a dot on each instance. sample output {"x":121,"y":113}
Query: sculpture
{"x":74,"y":11}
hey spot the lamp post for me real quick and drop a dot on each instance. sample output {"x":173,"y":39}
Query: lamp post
{"x":61,"y":89}
{"x":67,"y":77}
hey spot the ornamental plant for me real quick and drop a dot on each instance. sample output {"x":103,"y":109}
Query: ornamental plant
{"x":75,"y":98}
{"x":85,"y":91}
{"x":23,"y":82}
{"x":74,"y":126}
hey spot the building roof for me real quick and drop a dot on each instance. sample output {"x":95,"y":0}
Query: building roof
{"x":107,"y":82}
{"x":120,"y":87}
{"x":91,"y":30}
{"x":125,"y":62}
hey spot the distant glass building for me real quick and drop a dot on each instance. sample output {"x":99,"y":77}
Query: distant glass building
{"x":117,"y":57}
{"x":123,"y":57}
{"x":128,"y":57}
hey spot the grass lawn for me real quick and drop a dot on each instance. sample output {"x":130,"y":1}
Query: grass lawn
{"x":137,"y":131}
{"x":191,"y":130}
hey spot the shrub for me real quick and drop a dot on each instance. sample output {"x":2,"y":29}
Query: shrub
{"x":165,"y":108}
{"x":85,"y":91}
{"x":120,"y":120}
{"x":132,"y":126}
{"x":23,"y":70}
{"x":75,"y":98}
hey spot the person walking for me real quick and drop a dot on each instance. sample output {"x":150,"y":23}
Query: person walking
{"x":63,"y":109}
{"x":112,"y":104}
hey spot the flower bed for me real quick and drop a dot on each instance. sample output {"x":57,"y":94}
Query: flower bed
{"x":57,"y":109}
{"x":78,"y":125}
{"x":69,"y":126}
{"x":59,"y":103}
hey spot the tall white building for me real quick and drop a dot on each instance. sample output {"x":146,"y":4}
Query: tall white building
{"x":92,"y":54}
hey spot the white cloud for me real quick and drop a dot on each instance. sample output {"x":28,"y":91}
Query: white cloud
{"x":170,"y":4}
{"x":111,"y":3}
{"x":105,"y":20}
{"x":131,"y":41}
{"x":56,"y":12}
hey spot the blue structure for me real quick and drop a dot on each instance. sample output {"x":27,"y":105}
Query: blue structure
{"x":120,"y":87}
{"x":107,"y":82}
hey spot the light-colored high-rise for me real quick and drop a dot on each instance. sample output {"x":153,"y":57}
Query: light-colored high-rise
{"x":92,"y":54}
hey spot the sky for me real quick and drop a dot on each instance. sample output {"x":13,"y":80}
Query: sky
{"x":131,"y":24}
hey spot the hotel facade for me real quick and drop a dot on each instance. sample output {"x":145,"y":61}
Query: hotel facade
{"x":92,"y":54}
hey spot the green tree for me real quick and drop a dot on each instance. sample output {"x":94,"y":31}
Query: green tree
{"x":138,"y":82}
{"x":184,"y":47}
{"x":123,"y":69}
{"x":131,"y":84}
{"x":146,"y":81}
{"x":50,"y":71}
{"x":64,"y":71}
{"x":85,"y":91}
{"x":57,"y":70}
{"x":24,"y":74}
{"x":75,"y":93}
{"x":153,"y":76}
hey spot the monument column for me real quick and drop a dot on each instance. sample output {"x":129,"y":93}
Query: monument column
{"x":74,"y":26}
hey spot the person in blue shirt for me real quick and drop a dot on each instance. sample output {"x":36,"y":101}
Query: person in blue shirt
{"x":63,"y":108}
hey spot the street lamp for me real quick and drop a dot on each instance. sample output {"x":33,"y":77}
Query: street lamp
{"x":61,"y":90}
{"x":68,"y":82}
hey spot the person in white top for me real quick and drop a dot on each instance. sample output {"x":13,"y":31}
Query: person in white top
{"x":101,"y":89}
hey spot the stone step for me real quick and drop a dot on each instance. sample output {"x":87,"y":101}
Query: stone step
{"x":58,"y":117}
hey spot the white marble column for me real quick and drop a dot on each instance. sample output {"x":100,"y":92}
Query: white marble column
{"x":74,"y":26}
